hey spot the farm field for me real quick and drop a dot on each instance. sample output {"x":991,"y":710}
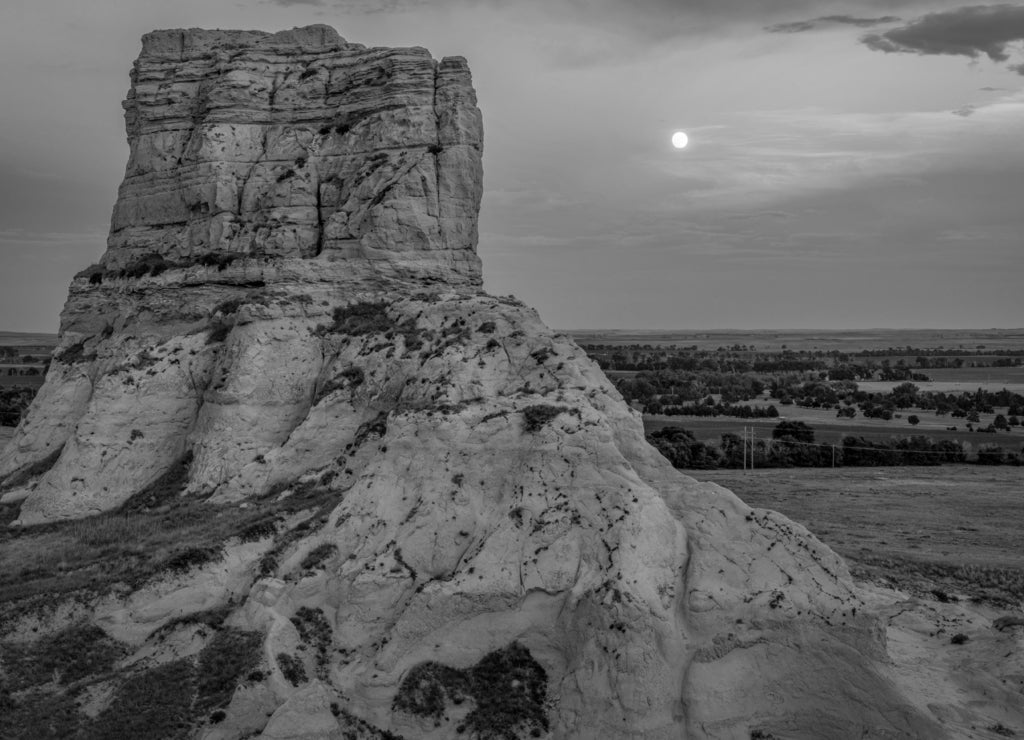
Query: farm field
{"x":968,"y":339}
{"x":830,"y":430}
{"x":909,"y":523}
{"x":26,"y":339}
{"x":29,"y":381}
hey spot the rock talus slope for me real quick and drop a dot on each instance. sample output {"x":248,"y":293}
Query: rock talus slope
{"x":290,"y":305}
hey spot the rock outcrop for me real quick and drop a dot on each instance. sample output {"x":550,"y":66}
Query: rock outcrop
{"x":290,"y":305}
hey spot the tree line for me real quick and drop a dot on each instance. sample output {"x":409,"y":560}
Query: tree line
{"x":792,"y":445}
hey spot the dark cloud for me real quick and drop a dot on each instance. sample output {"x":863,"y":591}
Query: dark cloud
{"x":965,"y":110}
{"x":848,"y":20}
{"x":970,"y":31}
{"x":1018,"y":68}
{"x":289,"y":3}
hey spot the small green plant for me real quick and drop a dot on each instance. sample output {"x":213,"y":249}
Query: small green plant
{"x":959,"y":638}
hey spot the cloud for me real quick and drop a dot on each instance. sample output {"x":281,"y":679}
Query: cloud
{"x":1018,"y":68}
{"x":970,"y":31}
{"x":289,"y":3}
{"x":965,"y":110}
{"x":848,"y":20}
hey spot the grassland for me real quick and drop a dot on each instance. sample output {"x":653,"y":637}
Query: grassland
{"x":968,"y":339}
{"x":956,"y":528}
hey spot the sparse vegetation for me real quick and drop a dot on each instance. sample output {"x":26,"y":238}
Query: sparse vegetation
{"x":231,"y":654}
{"x":537,"y":416}
{"x":508,"y":687}
{"x":320,"y":554}
{"x":315,"y":631}
{"x":292,"y":669}
{"x":69,"y":655}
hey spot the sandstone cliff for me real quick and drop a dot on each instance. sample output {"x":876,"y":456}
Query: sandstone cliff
{"x":289,"y":308}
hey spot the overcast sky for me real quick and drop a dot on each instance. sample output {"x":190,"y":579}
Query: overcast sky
{"x":851,"y":164}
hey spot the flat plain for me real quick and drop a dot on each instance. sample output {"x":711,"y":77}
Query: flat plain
{"x":919,"y":527}
{"x":968,"y":339}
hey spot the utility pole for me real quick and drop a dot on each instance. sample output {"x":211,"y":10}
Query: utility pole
{"x":751,"y":448}
{"x":833,"y":456}
{"x":744,"y":438}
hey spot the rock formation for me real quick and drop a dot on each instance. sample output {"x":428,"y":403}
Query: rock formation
{"x":290,"y":305}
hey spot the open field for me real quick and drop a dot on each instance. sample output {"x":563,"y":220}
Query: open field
{"x":30,"y":339}
{"x":900,"y":523}
{"x":847,"y":341}
{"x":829,"y":430}
{"x":29,"y":381}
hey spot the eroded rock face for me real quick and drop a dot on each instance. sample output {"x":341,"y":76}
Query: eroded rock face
{"x":290,"y":301}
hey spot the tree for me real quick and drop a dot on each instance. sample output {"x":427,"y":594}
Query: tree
{"x":914,"y":419}
{"x":1000,"y":422}
{"x":798,"y":430}
{"x":973,"y":416}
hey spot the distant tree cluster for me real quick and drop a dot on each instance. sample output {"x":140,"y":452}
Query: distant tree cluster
{"x":792,"y":445}
{"x":14,"y":401}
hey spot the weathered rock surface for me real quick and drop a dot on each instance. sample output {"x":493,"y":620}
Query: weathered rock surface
{"x":290,"y":301}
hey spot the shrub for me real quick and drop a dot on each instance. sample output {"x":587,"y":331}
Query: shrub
{"x":231,"y":654}
{"x":292,"y":669}
{"x":72,"y":654}
{"x":219,"y":332}
{"x":315,"y":630}
{"x":959,"y":638}
{"x":152,"y":705}
{"x":229,"y":306}
{"x":538,"y":415}
{"x":488,"y":327}
{"x":508,"y":686}
{"x":192,"y":557}
{"x":74,"y":354}
{"x":364,"y":317}
{"x":318,"y":555}
{"x":220,"y":260}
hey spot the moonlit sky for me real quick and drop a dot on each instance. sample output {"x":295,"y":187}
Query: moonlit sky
{"x":851,"y":164}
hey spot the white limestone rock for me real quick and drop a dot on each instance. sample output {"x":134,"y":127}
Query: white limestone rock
{"x":291,"y":296}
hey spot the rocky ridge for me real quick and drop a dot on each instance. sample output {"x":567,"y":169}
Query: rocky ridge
{"x":289,"y":309}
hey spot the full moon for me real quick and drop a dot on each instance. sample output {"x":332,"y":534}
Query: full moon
{"x":680,"y":140}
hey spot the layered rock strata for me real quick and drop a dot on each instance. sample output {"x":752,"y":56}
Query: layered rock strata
{"x":290,"y":302}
